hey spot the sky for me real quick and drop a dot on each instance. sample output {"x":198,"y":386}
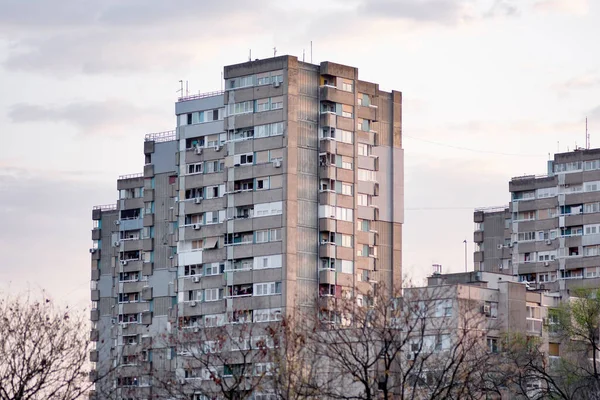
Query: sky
{"x":491,"y":89}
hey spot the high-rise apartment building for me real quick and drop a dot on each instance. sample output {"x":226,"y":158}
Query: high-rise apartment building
{"x":550,"y":233}
{"x":285,"y":191}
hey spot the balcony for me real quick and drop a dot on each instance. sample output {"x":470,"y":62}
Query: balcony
{"x":96,"y":234}
{"x":94,"y":335}
{"x":478,"y":236}
{"x":327,"y":276}
{"x":94,"y":356}
{"x":327,"y":145}
{"x":327,"y":172}
{"x":335,"y":95}
{"x":534,"y":326}
{"x":327,"y":250}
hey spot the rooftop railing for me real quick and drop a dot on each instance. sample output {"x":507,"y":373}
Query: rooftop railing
{"x":159,"y":137}
{"x":528,"y":177}
{"x":201,"y":95}
{"x":492,"y":209}
{"x":105,"y":207}
{"x":131,"y":176}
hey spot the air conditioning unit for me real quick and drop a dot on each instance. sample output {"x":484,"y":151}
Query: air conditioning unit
{"x":182,"y":381}
{"x":499,"y":247}
{"x":125,"y":325}
{"x":410,"y":356}
{"x":546,"y":264}
{"x":218,"y":147}
{"x":196,"y":227}
{"x":117,"y":222}
{"x":510,"y":245}
{"x":548,"y":241}
{"x":113,"y":321}
{"x":198,"y":200}
{"x":193,"y":304}
{"x":196,"y":330}
{"x":485,"y":309}
{"x":116,"y":244}
{"x":196,"y":279}
{"x":123,"y":262}
{"x":92,"y":251}
{"x":277,"y":163}
{"x":198,"y":150}
{"x":276,"y":84}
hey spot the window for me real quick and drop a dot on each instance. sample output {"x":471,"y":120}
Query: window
{"x":343,"y":240}
{"x":275,"y":235}
{"x":241,"y":108}
{"x":363,"y":199}
{"x":240,"y":82}
{"x":592,"y":186}
{"x":267,"y":289}
{"x":194,"y":269}
{"x":344,"y":214}
{"x":589,"y":251}
{"x":363,"y":125}
{"x":364,"y":225}
{"x":591,"y":165}
{"x":213,"y":269}
{"x":492,"y":344}
{"x":262,"y":236}
{"x":347,"y":111}
{"x":276,"y":103}
{"x":266,"y":315}
{"x":363,"y":149}
{"x":244,"y":159}
{"x":264,"y":262}
{"x":367,"y":175}
{"x":262,"y":183}
{"x":592,"y":208}
{"x":212,"y":294}
{"x":262,"y":105}
{"x":344,"y":136}
{"x":347,"y":85}
{"x":346,"y":189}
{"x":525,"y":236}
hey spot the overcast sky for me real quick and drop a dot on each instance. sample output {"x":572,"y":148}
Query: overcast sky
{"x":491,"y":88}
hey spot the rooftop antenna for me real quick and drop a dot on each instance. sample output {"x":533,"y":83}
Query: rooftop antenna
{"x":274,"y":51}
{"x":187,"y":90}
{"x":250,"y":55}
{"x":181,"y":88}
{"x":302,"y":55}
{"x":587,"y":136}
{"x":437,"y":269}
{"x":311,"y":51}
{"x":221,"y":80}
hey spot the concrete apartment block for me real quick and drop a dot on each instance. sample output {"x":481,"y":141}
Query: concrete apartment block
{"x":551,"y":235}
{"x":282,"y":192}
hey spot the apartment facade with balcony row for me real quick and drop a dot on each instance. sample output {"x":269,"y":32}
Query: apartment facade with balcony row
{"x":549,"y":235}
{"x":283,"y":192}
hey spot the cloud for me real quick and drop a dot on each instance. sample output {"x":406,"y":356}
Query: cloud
{"x":89,"y":117}
{"x":577,"y":7}
{"x":504,"y":8}
{"x":123,"y":37}
{"x":438,"y":11}
{"x":585,"y":81}
{"x":47,"y":217}
{"x":113,"y":36}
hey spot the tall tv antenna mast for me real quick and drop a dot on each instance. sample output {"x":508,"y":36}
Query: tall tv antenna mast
{"x":587,"y":136}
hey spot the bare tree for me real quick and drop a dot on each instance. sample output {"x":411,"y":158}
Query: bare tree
{"x":230,"y":361}
{"x":423,"y":345}
{"x":43,"y":351}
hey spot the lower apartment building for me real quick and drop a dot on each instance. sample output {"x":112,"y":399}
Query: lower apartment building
{"x":282,"y":193}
